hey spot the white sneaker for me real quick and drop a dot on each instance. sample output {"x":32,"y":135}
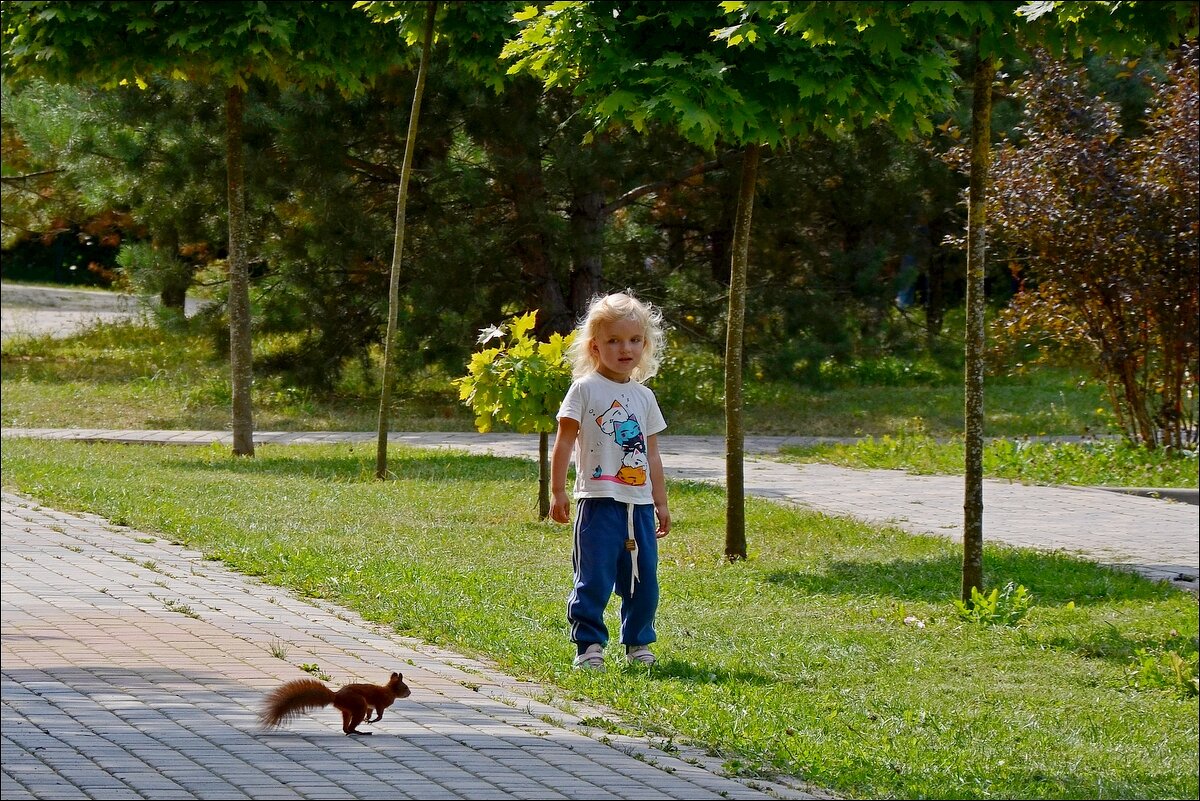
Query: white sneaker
{"x":591,"y":659}
{"x":640,"y":653}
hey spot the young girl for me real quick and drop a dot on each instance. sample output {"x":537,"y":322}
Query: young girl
{"x":611,"y":422}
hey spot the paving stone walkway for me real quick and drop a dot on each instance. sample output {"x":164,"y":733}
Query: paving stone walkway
{"x":133,"y":669}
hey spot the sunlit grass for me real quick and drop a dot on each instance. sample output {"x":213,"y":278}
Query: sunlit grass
{"x":129,"y":376}
{"x":133,"y":376}
{"x":1095,"y":463}
{"x":833,"y":652}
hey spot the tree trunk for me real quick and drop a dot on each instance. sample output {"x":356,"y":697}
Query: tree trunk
{"x":511,"y":137}
{"x":588,"y":219}
{"x":735,"y":490}
{"x":720,"y":238}
{"x":590,"y":216}
{"x":543,"y":475}
{"x":385,"y":395}
{"x":981,"y":153}
{"x":240,"y":355}
{"x":174,"y":297}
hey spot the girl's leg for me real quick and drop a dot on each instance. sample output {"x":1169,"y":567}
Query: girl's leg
{"x":639,"y":606}
{"x":599,"y":538}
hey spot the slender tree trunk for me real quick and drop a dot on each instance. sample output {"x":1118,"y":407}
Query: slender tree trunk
{"x":981,"y":154}
{"x":735,"y":490}
{"x":385,"y":395}
{"x":543,"y":475}
{"x":240,"y":354}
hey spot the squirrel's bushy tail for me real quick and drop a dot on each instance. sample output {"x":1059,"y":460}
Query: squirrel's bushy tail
{"x":293,"y":698}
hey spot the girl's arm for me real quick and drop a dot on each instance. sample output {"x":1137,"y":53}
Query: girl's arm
{"x":658,"y":486}
{"x":560,"y":458}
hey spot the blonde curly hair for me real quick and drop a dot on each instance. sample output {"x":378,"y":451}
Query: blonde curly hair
{"x":605,"y":310}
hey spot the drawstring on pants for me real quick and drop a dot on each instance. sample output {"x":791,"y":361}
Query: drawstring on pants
{"x":631,"y":546}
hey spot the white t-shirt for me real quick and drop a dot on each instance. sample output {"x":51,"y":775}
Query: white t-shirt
{"x":610,"y":452}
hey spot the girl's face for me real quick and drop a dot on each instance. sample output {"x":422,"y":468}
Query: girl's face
{"x":617,"y":348}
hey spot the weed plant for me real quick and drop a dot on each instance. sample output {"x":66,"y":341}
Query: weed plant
{"x":835,"y":652}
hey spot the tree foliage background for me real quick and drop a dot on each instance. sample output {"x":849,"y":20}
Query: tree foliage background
{"x":514,"y":206}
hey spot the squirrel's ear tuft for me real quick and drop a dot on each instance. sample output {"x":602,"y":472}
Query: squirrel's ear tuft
{"x":397,"y":676}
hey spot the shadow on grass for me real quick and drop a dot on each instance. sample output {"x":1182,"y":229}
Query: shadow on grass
{"x":692,"y":673}
{"x":1107,"y":643}
{"x":1055,"y":579}
{"x":358,"y":465}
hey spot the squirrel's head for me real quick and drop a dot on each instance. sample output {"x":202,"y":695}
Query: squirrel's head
{"x":396,"y":683}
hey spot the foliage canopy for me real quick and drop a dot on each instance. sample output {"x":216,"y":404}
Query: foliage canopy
{"x":519,"y":382}
{"x":1102,"y":232}
{"x":286,"y":43}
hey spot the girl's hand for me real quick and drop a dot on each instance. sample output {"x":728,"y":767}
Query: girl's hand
{"x":664,"y":521}
{"x":564,"y":442}
{"x":560,"y":508}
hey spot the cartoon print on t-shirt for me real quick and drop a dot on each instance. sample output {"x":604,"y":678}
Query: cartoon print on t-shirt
{"x":627,"y":433}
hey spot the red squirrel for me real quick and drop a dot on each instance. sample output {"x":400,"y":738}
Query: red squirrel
{"x":354,"y":700}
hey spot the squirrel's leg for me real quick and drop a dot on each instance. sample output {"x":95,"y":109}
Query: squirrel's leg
{"x":352,"y":714}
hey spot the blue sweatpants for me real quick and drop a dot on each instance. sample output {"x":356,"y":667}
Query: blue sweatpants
{"x":602,"y":564}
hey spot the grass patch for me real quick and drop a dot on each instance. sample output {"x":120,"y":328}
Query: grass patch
{"x":143,"y":377}
{"x":806,"y":659}
{"x":131,"y":376}
{"x":1044,"y":402}
{"x":1096,"y":463}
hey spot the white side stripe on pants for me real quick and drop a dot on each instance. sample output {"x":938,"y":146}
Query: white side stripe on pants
{"x":631,"y":546}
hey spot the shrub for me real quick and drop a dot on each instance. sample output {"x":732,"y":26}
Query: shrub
{"x":519,"y":383}
{"x":1006,"y":607}
{"x":1101,"y":229}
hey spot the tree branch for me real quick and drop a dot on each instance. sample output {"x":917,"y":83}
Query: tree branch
{"x":374,"y":170}
{"x":653,"y":188}
{"x":13,"y":179}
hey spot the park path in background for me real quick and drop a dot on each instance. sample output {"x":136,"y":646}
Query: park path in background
{"x":62,"y":311}
{"x":1155,"y":537}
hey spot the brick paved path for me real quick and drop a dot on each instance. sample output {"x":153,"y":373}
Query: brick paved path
{"x":132,"y":668}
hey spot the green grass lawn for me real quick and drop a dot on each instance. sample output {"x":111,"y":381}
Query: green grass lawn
{"x":129,"y":376}
{"x":835,"y":652}
{"x":1097,"y":463}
